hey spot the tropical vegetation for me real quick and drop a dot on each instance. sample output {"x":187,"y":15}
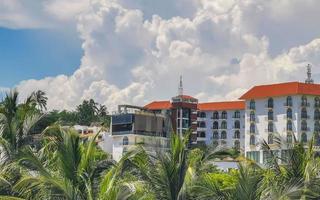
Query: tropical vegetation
{"x":65,"y":167}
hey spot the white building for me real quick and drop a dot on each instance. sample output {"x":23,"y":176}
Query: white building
{"x":221,"y":123}
{"x":287,"y":110}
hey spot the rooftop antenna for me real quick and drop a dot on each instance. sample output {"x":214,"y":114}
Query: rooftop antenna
{"x":180,"y":89}
{"x":309,"y":79}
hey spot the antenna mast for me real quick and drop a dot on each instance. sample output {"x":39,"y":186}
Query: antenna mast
{"x":309,"y":74}
{"x":180,"y":89}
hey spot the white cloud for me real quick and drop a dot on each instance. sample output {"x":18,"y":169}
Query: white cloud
{"x":220,"y":47}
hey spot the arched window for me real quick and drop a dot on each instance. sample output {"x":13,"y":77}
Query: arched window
{"x":304,"y":126}
{"x":215,"y":115}
{"x":304,"y":137}
{"x":223,"y":125}
{"x":237,"y":124}
{"x":289,"y":113}
{"x":252,"y":128}
{"x":270,"y":139}
{"x":304,"y":101}
{"x":304,"y":114}
{"x":317,"y":126}
{"x":252,"y":140}
{"x":270,"y":127}
{"x":224,"y":115}
{"x":270,"y":115}
{"x":223,"y":135}
{"x":215,"y":135}
{"x":202,"y":134}
{"x":289,"y":125}
{"x":317,"y":114}
{"x":223,"y":142}
{"x":201,"y":124}
{"x":252,"y":116}
{"x":289,"y":138}
{"x":316,"y":139}
{"x":317,"y":102}
{"x":237,"y":134}
{"x":252,"y":105}
{"x":237,"y":114}
{"x":289,"y":101}
{"x":237,"y":144}
{"x":270,"y":103}
{"x":215,"y":125}
{"x":203,"y":115}
{"x":125,"y":140}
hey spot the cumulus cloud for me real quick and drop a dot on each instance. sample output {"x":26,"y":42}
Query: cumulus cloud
{"x":221,"y":48}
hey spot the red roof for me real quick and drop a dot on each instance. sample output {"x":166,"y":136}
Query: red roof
{"x":158,"y":105}
{"x":226,"y":105}
{"x":282,"y":89}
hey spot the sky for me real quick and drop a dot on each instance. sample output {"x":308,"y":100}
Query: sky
{"x":133,"y":52}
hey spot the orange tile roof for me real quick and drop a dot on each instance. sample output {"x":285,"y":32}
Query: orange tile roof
{"x":158,"y":105}
{"x":281,"y":89}
{"x":226,"y":105}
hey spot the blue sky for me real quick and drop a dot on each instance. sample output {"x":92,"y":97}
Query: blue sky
{"x":37,"y":53}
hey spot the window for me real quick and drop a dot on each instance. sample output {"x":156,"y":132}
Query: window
{"x":289,"y":101}
{"x":270,"y":115}
{"x":304,"y":101}
{"x":252,"y":116}
{"x":289,"y":138}
{"x":224,"y":125}
{"x":270,"y":103}
{"x":270,"y":127}
{"x":304,"y":126}
{"x":237,"y":144}
{"x":215,"y":125}
{"x":316,"y":139}
{"x":304,"y":137}
{"x":202,"y":134}
{"x":201,"y":124}
{"x":237,"y":114}
{"x":125,"y":140}
{"x":252,"y":128}
{"x":223,"y":142}
{"x":215,"y":115}
{"x":215,"y":143}
{"x":224,"y":115}
{"x":289,"y":113}
{"x":317,"y":102}
{"x":254,"y":155}
{"x":215,"y":135}
{"x":270,"y":139}
{"x":237,"y":134}
{"x":223,"y":135}
{"x":317,"y":126}
{"x":252,"y":105}
{"x":252,"y":140}
{"x":304,"y":114}
{"x":237,"y":124}
{"x":203,"y":115}
{"x":289,"y":125}
{"x":317,"y":114}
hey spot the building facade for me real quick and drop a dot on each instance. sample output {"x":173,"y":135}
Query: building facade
{"x":286,"y":111}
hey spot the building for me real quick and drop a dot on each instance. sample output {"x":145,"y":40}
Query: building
{"x":133,"y":125}
{"x":221,"y":123}
{"x":286,"y":110}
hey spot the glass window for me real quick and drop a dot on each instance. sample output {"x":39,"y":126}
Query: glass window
{"x":252,"y":116}
{"x":270,"y":139}
{"x":237,"y":144}
{"x":252,"y":104}
{"x":289,"y":125}
{"x":304,"y":126}
{"x":317,"y":126}
{"x":224,"y":115}
{"x":270,"y":115}
{"x":223,"y":135}
{"x":304,"y":137}
{"x":215,"y":115}
{"x":289,"y":101}
{"x":215,"y":143}
{"x":270,"y":127}
{"x":304,"y":101}
{"x":203,"y":115}
{"x":224,"y":125}
{"x":270,"y":103}
{"x":125,"y":140}
{"x":289,"y":113}
{"x":237,"y":134}
{"x":215,"y":125}
{"x":237,"y":124}
{"x":215,"y":135}
{"x":252,"y":140}
{"x":317,"y":114}
{"x":289,"y":138}
{"x":202,"y":134}
{"x":252,"y":128}
{"x":304,"y":114}
{"x":237,"y":114}
{"x":317,"y":102}
{"x":254,"y":155}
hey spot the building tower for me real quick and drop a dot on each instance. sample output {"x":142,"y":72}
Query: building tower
{"x":309,"y":79}
{"x":180,"y":88}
